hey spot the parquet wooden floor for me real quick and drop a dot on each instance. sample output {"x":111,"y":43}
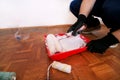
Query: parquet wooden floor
{"x":29,"y":59}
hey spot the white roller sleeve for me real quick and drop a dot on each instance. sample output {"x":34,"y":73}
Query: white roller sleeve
{"x":53,"y":44}
{"x":62,"y":67}
{"x":50,"y":44}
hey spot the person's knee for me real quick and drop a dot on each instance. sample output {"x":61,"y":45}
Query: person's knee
{"x":75,"y":7}
{"x":111,"y":8}
{"x":72,"y":8}
{"x":111,"y":16}
{"x":108,"y":11}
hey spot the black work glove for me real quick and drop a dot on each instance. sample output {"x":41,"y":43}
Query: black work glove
{"x":101,"y":45}
{"x":77,"y":25}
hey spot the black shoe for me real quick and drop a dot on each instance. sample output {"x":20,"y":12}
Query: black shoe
{"x":93,"y":24}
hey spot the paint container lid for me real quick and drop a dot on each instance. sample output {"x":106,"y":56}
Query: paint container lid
{"x":7,"y":76}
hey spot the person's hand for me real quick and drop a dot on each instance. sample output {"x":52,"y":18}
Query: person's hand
{"x":97,"y":46}
{"x":101,"y":45}
{"x":81,"y":22}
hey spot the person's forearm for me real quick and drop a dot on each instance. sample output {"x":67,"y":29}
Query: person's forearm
{"x":86,"y":7}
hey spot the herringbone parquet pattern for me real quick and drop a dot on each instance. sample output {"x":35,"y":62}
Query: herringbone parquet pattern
{"x":29,"y":59}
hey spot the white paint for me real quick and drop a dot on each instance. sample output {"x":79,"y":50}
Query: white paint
{"x":23,"y":13}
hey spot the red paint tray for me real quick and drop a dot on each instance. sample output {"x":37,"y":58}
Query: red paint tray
{"x":63,"y":55}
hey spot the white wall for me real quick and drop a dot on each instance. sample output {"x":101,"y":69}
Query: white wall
{"x":34,"y":13}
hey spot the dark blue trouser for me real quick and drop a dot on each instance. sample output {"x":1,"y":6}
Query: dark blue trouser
{"x":108,"y":10}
